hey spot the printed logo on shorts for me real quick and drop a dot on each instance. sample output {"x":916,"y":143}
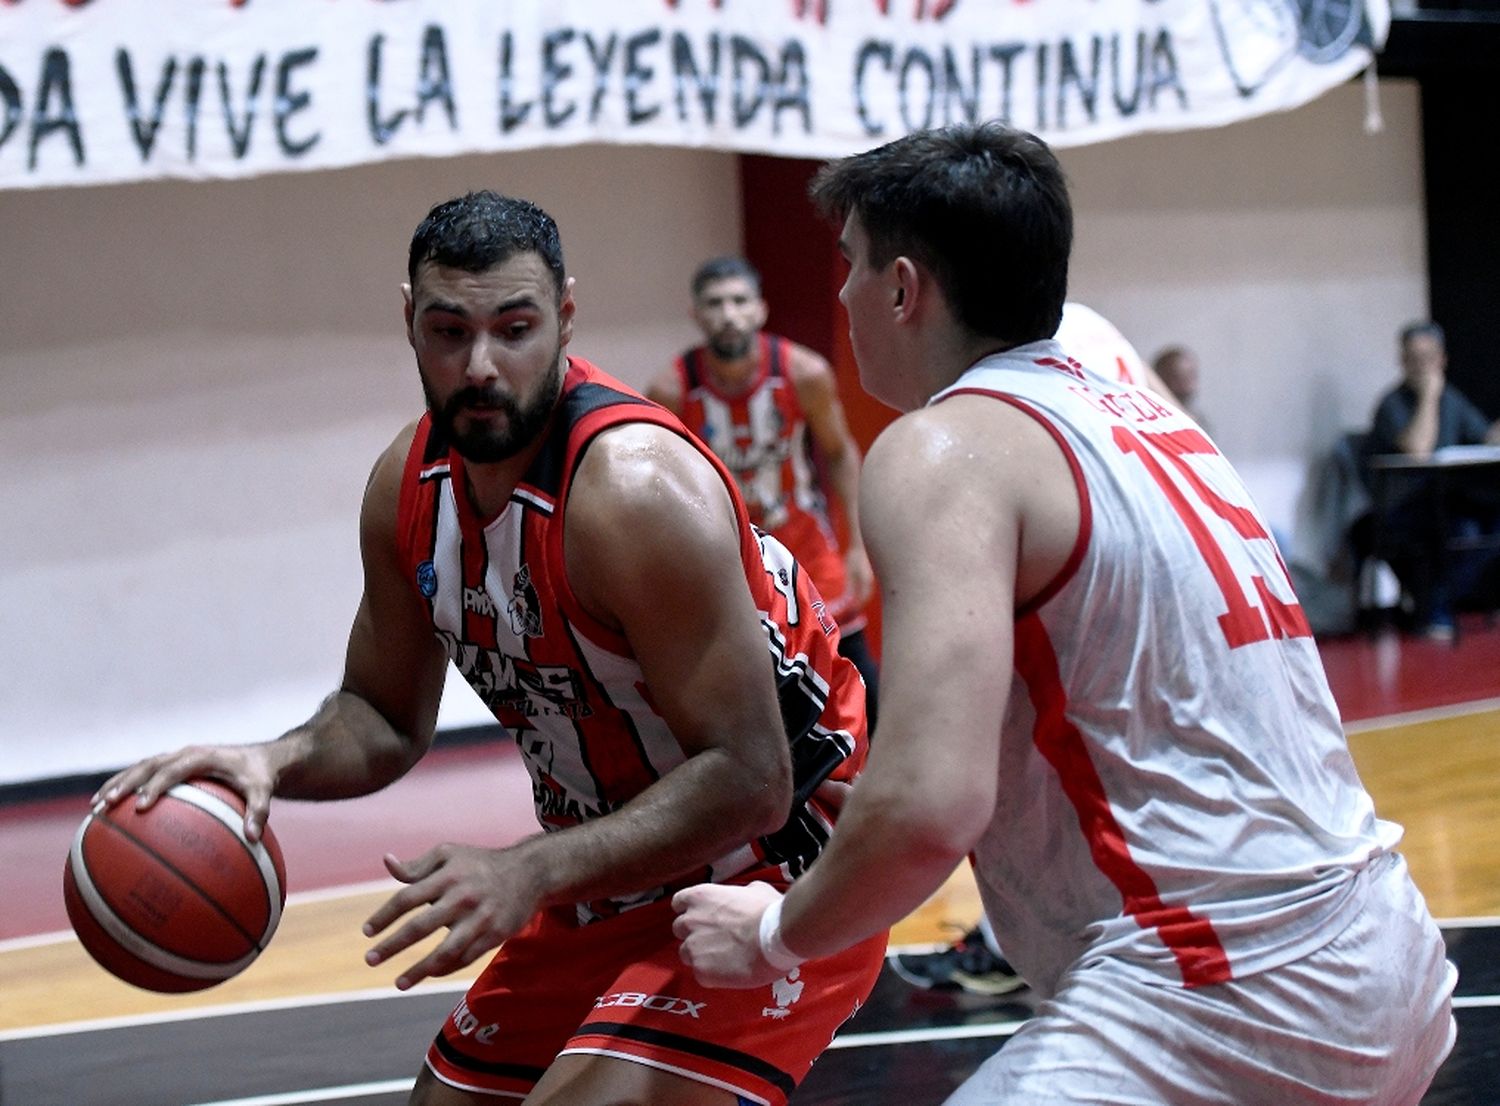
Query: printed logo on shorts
{"x":661,"y":1004}
{"x":467,"y":1025}
{"x":786,"y":992}
{"x":427,"y":579}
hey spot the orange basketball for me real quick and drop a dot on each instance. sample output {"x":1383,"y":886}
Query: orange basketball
{"x":174,"y":898}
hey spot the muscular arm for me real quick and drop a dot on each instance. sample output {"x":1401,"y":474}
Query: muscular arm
{"x":817,"y":392}
{"x":653,"y":549}
{"x":946,"y":557}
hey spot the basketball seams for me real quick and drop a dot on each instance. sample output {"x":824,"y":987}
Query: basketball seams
{"x":258,"y":853}
{"x":121,"y":933}
{"x":109,"y":845}
{"x":187,"y":880}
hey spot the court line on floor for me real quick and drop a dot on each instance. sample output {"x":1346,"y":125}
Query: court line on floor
{"x":1416,"y":717}
{"x":298,"y":898}
{"x":851,"y":1040}
{"x":230,"y":1010}
{"x":323,"y":1094}
{"x":333,"y":998}
{"x":1479,"y":921}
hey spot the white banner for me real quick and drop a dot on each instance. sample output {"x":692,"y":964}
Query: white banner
{"x":93,"y":91}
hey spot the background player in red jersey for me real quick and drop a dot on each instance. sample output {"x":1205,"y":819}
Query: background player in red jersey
{"x":1098,"y":684}
{"x":590,"y":569}
{"x":769,"y":408}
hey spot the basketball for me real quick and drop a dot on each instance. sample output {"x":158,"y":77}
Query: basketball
{"x":174,"y":898}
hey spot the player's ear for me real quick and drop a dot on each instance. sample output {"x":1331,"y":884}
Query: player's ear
{"x":408,"y":311}
{"x":905,"y":288}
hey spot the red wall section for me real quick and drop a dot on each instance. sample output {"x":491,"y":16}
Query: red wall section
{"x":797,"y":254}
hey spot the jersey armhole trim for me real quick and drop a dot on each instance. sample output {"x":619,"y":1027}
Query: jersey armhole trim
{"x":410,"y":497}
{"x":1085,"y":509}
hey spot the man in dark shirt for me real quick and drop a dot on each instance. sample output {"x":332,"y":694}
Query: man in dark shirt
{"x":1422,"y":414}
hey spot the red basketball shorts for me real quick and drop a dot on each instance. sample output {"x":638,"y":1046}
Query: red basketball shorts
{"x":618,"y":988}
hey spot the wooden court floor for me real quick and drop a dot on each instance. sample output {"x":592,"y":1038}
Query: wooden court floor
{"x":310,"y":1023}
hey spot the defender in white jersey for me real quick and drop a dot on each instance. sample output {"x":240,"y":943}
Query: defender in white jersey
{"x":975,"y":962}
{"x":1099,"y":683}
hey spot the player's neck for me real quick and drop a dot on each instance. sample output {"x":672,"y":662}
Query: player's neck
{"x":489,"y":484}
{"x":732,"y":374}
{"x":950,"y":354}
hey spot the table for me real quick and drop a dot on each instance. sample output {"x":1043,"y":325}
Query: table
{"x":1413,"y":500}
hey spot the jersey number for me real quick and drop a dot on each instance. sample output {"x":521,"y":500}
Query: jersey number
{"x":1244,"y":623}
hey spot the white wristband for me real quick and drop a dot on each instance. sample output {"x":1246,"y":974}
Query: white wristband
{"x":772,"y":947}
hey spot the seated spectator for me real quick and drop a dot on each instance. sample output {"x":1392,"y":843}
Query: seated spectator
{"x":1177,"y":368}
{"x":1422,"y":414}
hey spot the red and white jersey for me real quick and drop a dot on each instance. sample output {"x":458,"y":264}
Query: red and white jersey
{"x":566,"y":687}
{"x":1175,"y":789}
{"x":761,"y":435}
{"x":1095,"y":341}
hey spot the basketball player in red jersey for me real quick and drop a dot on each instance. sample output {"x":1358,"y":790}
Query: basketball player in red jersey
{"x":668,"y":672}
{"x":1099,"y":685}
{"x":770,"y":409}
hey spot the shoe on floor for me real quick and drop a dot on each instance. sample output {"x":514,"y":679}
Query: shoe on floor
{"x":967,"y":965}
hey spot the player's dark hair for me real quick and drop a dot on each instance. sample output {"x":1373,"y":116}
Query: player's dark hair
{"x":480,"y":230}
{"x":1420,"y":328}
{"x":724,"y":268}
{"x":984,"y":207}
{"x":1163,"y":359}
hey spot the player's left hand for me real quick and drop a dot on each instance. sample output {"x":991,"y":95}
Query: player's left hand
{"x":719,"y":928}
{"x":859,"y":576}
{"x":481,"y":895}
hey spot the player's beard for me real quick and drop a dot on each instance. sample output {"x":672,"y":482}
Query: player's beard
{"x":488,"y":441}
{"x":731,"y":345}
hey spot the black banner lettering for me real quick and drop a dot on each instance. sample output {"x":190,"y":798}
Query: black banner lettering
{"x":143,"y":127}
{"x":56,"y":81}
{"x":289,"y":103}
{"x":10,"y":96}
{"x":239,"y":136}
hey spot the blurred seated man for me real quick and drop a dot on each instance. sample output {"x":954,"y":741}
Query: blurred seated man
{"x":1178,"y":370}
{"x":1422,"y":414}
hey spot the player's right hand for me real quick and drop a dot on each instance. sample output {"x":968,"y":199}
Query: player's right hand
{"x":719,"y":927}
{"x":481,"y":896}
{"x":245,"y":768}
